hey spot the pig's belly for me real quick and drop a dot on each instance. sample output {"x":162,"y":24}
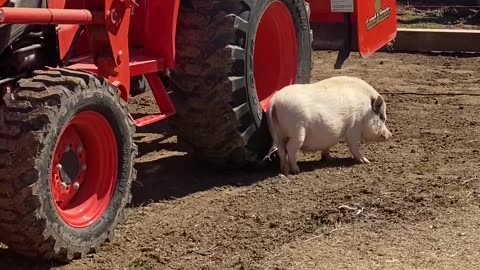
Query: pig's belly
{"x":317,"y":140}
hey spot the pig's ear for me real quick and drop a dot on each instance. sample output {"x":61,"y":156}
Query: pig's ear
{"x":377,"y":104}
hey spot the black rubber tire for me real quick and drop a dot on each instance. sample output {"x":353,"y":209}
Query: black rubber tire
{"x":218,"y":111}
{"x":32,"y":117}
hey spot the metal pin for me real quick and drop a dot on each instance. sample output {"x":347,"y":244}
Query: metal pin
{"x":76,"y":185}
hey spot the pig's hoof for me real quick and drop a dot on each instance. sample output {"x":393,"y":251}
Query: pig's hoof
{"x":285,"y":170}
{"x":295,"y":169}
{"x":362,"y":160}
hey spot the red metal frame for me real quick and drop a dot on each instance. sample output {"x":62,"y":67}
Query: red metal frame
{"x":50,"y":16}
{"x":107,"y":26}
{"x":369,"y":41}
{"x":67,"y":32}
{"x":376,"y":24}
{"x":161,"y":29}
{"x":320,"y":12}
{"x":139,"y":63}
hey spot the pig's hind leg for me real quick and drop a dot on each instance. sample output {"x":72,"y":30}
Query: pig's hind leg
{"x":282,"y":155}
{"x":293,"y":146}
{"x":353,"y":138}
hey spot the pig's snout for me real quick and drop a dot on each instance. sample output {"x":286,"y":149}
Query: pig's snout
{"x":386,"y":134}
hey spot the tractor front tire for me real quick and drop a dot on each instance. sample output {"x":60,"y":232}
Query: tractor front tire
{"x":66,"y":164}
{"x":223,"y":76}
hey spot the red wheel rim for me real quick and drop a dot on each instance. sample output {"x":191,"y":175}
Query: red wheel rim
{"x":87,"y":154}
{"x":275,"y":52}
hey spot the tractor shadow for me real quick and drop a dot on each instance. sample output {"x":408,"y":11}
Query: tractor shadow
{"x":166,"y":172}
{"x":10,"y":261}
{"x":175,"y":174}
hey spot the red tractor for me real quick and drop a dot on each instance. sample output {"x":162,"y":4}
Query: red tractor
{"x":68,"y":68}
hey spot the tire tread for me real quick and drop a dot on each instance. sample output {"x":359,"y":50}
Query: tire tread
{"x":26,"y":115}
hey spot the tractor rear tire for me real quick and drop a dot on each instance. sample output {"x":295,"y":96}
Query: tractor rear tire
{"x":35,"y":116}
{"x":214,"y":88}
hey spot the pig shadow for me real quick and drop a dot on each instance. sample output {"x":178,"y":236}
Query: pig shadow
{"x":335,"y":162}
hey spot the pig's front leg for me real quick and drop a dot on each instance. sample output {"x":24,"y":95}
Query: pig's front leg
{"x":353,"y":138}
{"x":326,"y":155}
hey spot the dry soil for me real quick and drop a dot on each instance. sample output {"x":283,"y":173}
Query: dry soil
{"x":444,"y":17}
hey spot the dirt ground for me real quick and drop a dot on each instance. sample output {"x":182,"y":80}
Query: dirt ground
{"x":448,"y":17}
{"x":416,"y":206}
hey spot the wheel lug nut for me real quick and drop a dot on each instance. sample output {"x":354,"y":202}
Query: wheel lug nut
{"x":64,"y":185}
{"x":67,"y":148}
{"x":84,"y":167}
{"x":76,"y":185}
{"x":79,"y":149}
{"x":59,"y":166}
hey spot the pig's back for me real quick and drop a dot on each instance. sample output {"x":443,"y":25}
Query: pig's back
{"x":335,"y":98}
{"x":348,"y":85}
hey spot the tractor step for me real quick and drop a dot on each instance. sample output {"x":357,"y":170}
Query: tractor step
{"x":163,"y":101}
{"x":150,"y":119}
{"x":139,"y":63}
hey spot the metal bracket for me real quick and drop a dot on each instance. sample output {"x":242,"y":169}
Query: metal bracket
{"x":345,"y":50}
{"x":270,"y":153}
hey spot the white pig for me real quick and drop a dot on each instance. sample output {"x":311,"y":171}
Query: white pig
{"x":314,"y":117}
